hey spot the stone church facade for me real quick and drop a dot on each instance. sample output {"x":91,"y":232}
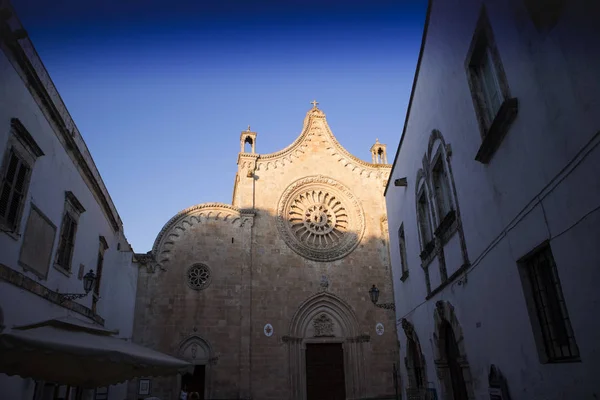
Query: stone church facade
{"x":269,"y":297}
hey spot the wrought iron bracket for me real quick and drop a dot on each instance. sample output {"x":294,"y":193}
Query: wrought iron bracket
{"x":71,"y":296}
{"x":387,"y":306}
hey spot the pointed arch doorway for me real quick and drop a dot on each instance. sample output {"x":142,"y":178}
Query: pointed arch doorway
{"x":195,"y":380}
{"x":325,"y":351}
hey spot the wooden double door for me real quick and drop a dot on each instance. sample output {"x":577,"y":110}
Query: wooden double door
{"x":325,"y":378}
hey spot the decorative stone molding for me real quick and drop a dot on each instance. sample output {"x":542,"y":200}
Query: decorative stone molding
{"x":345,"y":331}
{"x":290,"y":339}
{"x":177,"y":225}
{"x":146,"y":260}
{"x":315,"y":126}
{"x":320,"y":219}
{"x":359,"y":339}
{"x":323,"y":326}
{"x":21,"y":281}
{"x":445,"y":316}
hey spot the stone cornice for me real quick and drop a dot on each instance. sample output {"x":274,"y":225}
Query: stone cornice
{"x":193,"y":215}
{"x":24,"y":282}
{"x":298,"y":147}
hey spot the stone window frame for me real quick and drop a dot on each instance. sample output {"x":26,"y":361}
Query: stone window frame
{"x":22,"y":145}
{"x":492,"y":129}
{"x":439,"y":170}
{"x":443,"y":227}
{"x":424,"y":218}
{"x":25,"y":266}
{"x":72,"y":211}
{"x":547,"y":351}
{"x":402,"y":250}
{"x":103,"y":246}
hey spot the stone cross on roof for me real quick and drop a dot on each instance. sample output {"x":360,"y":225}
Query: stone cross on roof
{"x":314,"y":103}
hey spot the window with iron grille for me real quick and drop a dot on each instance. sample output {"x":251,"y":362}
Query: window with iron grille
{"x":555,"y":337}
{"x":14,"y":185}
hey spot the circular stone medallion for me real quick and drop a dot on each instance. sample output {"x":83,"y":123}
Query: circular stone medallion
{"x":268,"y":329}
{"x":320,"y":219}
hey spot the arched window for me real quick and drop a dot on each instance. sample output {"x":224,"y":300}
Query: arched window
{"x":424,"y":220}
{"x":441,"y":187}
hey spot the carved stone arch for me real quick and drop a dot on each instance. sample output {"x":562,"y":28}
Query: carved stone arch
{"x":176,"y":227}
{"x":433,"y":138}
{"x":325,"y":318}
{"x":415,"y":364}
{"x":444,"y":319}
{"x":419,"y":181}
{"x":198,"y":351}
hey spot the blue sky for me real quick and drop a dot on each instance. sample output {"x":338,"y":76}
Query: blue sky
{"x":161,"y":90}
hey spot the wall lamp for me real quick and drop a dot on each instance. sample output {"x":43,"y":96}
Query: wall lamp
{"x":374,"y":293}
{"x":88,"y":284}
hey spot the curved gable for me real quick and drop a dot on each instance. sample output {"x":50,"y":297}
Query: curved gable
{"x":200,"y":213}
{"x":315,"y":124}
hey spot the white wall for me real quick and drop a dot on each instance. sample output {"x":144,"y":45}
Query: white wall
{"x":555,"y":78}
{"x":52,"y":175}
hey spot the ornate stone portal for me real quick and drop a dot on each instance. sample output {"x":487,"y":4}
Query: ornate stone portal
{"x":320,"y":219}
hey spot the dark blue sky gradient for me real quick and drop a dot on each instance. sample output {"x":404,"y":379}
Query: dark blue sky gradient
{"x":161,"y":90}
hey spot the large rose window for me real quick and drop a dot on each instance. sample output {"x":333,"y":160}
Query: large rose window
{"x":320,"y":219}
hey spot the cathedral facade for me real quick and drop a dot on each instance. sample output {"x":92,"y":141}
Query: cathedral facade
{"x":269,"y":297}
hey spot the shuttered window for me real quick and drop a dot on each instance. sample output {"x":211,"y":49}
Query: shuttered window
{"x":12,"y":192}
{"x":67,"y":242}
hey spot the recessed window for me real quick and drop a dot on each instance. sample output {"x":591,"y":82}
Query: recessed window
{"x":99,"y":269}
{"x":14,"y":187}
{"x":19,"y":158}
{"x":403,"y":261}
{"x":494,"y":108}
{"x":424,"y":219}
{"x":547,"y":307}
{"x":487,"y":78}
{"x":442,"y":189}
{"x":68,"y":231}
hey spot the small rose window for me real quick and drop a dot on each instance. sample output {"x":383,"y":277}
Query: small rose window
{"x":198,"y":276}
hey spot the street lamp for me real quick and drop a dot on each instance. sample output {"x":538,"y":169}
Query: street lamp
{"x":88,"y":284}
{"x":374,"y":293}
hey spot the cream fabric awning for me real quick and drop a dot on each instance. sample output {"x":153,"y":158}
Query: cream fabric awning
{"x":73,"y":352}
